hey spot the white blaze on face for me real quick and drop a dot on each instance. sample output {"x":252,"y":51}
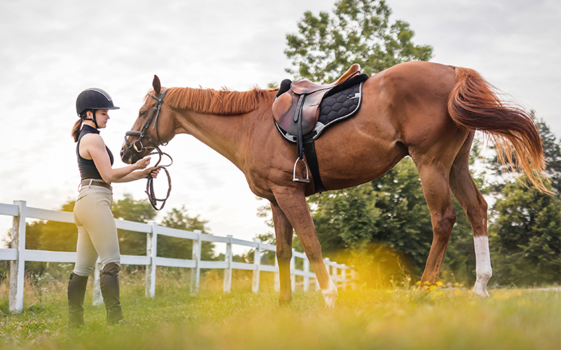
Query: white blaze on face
{"x":482,"y":265}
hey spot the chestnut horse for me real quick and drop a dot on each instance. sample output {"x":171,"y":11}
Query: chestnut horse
{"x":425,"y":110}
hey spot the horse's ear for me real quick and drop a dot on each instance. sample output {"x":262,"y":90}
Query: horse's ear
{"x":156,"y":85}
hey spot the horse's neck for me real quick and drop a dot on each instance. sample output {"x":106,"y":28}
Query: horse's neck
{"x":228,"y":135}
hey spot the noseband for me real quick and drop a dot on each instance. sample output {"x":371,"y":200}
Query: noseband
{"x":138,"y":147}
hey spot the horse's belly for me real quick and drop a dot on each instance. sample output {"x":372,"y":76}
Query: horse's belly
{"x":356,"y":152}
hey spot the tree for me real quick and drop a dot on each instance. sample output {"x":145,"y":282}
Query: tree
{"x":172,"y":247}
{"x":552,"y":152}
{"x":128,"y":208}
{"x":358,"y":31}
{"x":526,"y":237}
{"x":383,"y":226}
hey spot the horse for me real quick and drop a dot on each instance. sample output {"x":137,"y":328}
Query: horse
{"x":424,"y":110}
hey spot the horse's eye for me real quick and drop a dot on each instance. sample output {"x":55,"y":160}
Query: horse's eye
{"x":142,"y":114}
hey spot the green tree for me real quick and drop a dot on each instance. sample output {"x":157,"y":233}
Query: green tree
{"x":172,"y":247}
{"x":384,"y":225}
{"x":552,"y":152}
{"x":358,"y":31}
{"x":526,"y":237}
{"x":128,"y":208}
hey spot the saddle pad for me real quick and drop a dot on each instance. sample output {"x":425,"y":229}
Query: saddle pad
{"x":333,"y":108}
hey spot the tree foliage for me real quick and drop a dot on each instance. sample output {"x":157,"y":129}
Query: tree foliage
{"x":358,"y":31}
{"x":526,"y":237}
{"x":138,"y":210}
{"x":172,"y":247}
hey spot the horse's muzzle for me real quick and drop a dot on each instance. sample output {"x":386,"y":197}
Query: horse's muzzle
{"x":129,"y":156}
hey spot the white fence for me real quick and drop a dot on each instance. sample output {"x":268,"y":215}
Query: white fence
{"x":342,"y":275}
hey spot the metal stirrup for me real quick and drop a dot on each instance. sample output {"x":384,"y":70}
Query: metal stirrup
{"x":297,"y":179}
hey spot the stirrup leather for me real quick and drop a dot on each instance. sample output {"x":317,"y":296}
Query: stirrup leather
{"x":298,"y":179}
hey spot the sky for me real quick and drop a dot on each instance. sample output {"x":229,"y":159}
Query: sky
{"x":52,"y":50}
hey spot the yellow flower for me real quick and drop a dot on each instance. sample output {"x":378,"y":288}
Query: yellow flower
{"x":439,"y":283}
{"x":457,"y":292}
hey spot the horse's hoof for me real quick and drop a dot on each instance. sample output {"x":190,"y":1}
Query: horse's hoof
{"x":285,"y":302}
{"x":330,"y":294}
{"x":480,"y":291}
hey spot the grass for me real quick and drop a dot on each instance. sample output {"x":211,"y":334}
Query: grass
{"x":363,"y":319}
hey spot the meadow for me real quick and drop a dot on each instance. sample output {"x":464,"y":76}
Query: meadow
{"x":397,"y":318}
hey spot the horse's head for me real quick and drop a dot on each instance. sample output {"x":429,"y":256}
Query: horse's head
{"x":152,"y":128}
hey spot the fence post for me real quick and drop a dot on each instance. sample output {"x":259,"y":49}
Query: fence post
{"x":344,"y":277}
{"x":277,"y":274}
{"x":306,"y":272}
{"x":228,"y":270}
{"x":353,"y":278}
{"x":334,"y":274}
{"x":17,"y":267}
{"x":196,"y":256}
{"x":257,"y":271}
{"x":97,"y":298}
{"x":151,"y":250}
{"x":292,"y":271}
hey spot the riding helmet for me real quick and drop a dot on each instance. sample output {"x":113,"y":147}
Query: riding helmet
{"x":93,"y":99}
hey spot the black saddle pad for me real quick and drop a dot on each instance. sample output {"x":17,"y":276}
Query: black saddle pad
{"x":338,"y":104}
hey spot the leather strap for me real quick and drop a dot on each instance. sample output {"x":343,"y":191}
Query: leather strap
{"x":312,"y":159}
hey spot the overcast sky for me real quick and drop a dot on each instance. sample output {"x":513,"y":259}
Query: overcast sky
{"x":52,"y":50}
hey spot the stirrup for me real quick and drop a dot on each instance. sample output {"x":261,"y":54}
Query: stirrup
{"x":297,"y":179}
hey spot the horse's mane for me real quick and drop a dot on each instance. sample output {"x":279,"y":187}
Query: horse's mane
{"x":221,"y":102}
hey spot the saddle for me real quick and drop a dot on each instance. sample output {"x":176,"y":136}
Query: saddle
{"x":303,"y":99}
{"x":296,"y":111}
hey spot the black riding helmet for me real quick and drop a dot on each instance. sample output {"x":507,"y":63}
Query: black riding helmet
{"x":93,"y":99}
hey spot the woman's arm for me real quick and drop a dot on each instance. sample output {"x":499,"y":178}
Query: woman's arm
{"x":92,"y":145}
{"x":136,"y":175}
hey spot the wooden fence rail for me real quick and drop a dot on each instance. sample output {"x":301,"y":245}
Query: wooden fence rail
{"x":342,"y":275}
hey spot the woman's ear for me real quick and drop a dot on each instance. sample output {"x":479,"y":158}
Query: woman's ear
{"x":156,"y":85}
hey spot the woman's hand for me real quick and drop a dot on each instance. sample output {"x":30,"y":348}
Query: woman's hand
{"x":152,"y":171}
{"x":142,"y":163}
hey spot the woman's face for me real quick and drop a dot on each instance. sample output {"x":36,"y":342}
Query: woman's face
{"x":102,"y":116}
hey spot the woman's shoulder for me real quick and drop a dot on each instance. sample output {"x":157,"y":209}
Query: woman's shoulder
{"x":92,"y":139}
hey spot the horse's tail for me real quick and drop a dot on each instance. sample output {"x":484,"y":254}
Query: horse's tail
{"x":474,"y":104}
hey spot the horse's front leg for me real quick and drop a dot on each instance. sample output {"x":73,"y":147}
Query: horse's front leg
{"x":283,"y":233}
{"x":292,"y":204}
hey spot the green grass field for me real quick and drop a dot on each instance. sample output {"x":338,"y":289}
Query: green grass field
{"x":362,"y":319}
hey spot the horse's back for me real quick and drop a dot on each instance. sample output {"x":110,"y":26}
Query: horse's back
{"x":404,"y":110}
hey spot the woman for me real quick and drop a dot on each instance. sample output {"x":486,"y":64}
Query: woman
{"x":97,"y":233}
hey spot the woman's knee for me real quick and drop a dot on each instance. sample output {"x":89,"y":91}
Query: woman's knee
{"x":83,"y":271}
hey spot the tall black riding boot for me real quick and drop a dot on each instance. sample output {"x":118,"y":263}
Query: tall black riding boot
{"x":109,"y":282}
{"x":76,"y":292}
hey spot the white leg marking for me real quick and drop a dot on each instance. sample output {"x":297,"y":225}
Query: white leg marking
{"x":482,"y":265}
{"x":330,"y":294}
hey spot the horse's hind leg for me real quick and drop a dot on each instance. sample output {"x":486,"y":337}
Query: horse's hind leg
{"x":434,"y":179}
{"x":283,"y":233}
{"x":475,"y":206}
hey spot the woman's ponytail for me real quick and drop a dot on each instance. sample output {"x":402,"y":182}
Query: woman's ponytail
{"x":76,"y":129}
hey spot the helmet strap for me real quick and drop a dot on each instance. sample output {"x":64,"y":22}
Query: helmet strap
{"x":94,"y":119}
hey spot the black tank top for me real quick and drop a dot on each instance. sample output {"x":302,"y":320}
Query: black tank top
{"x":87,"y":166}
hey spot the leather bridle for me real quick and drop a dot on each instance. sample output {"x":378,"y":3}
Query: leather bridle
{"x":138,"y":147}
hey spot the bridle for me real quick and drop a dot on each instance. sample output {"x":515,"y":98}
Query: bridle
{"x":138,"y":146}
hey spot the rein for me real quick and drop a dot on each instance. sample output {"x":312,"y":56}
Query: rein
{"x":138,"y":146}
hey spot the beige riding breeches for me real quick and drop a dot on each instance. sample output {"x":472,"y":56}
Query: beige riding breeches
{"x":97,"y":233}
